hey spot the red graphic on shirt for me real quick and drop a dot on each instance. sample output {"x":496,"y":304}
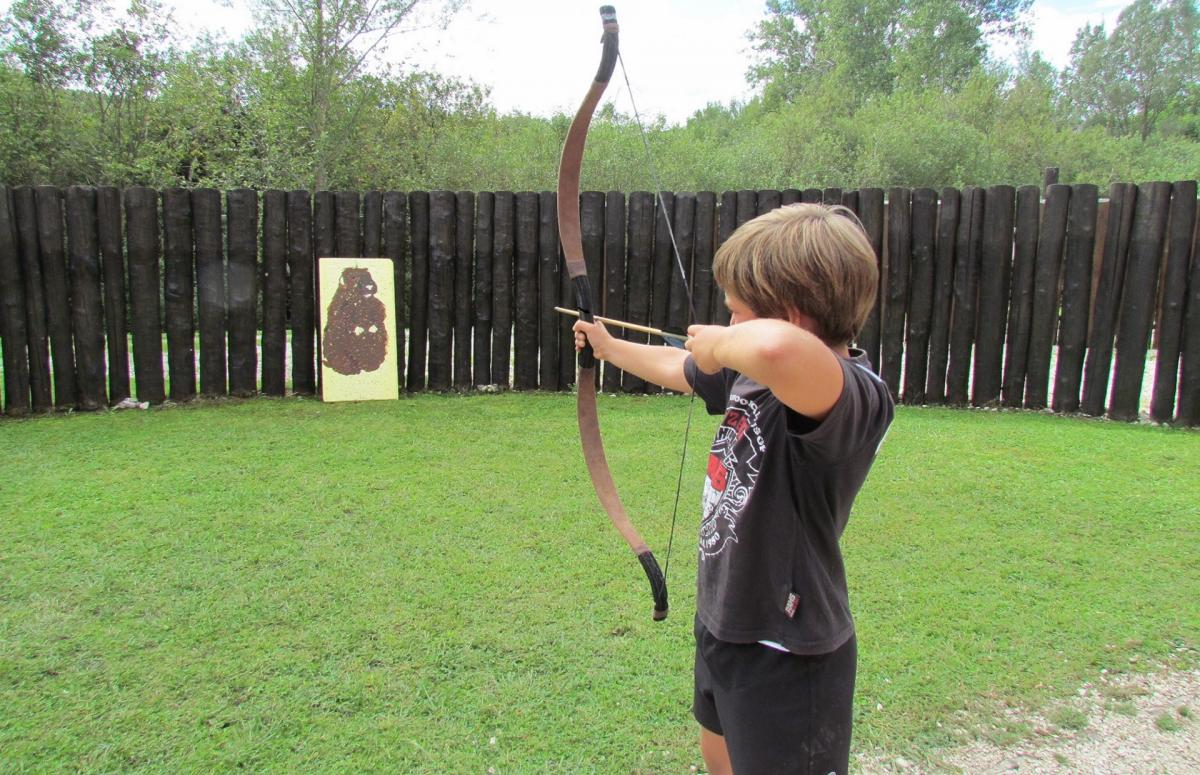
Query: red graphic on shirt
{"x":738,"y":441}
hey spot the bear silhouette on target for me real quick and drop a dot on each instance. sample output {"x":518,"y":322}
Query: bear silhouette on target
{"x":355,"y":338}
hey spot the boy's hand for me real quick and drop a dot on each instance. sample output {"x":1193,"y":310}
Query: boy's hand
{"x":595,"y":334}
{"x":702,"y":343}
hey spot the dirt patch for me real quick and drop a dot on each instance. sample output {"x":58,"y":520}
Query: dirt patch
{"x":1145,"y":723}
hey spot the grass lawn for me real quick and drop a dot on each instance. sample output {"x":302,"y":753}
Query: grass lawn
{"x":428,"y":585}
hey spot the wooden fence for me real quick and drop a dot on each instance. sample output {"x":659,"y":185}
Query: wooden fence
{"x":986,"y":295}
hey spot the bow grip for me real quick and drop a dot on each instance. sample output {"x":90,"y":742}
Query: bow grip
{"x":583,"y":303}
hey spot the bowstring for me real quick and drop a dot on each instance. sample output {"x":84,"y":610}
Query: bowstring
{"x":662,"y":207}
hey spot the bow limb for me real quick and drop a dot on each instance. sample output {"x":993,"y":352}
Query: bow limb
{"x":572,"y":244}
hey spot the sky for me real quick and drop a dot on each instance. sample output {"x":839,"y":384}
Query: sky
{"x":539,"y":56}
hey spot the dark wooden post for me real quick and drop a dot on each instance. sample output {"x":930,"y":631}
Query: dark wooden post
{"x":637,"y":273}
{"x":87,"y":319}
{"x":920,"y":311}
{"x":614,"y":280}
{"x":550,"y":332}
{"x":12,"y":313}
{"x":210,"y":290}
{"x":324,"y":246}
{"x":58,"y":295}
{"x":679,"y":305}
{"x":179,"y":291}
{"x":1043,"y":319}
{"x":943,"y":289}
{"x":395,"y":247}
{"x":968,"y":247}
{"x":525,"y":312}
{"x":706,"y":233}
{"x":503,"y":256}
{"x":727,"y":222}
{"x":870,"y":202}
{"x":895,"y":288}
{"x":1122,"y":198}
{"x":442,"y":222}
{"x":995,"y":272}
{"x":769,"y":199}
{"x":112,"y":257}
{"x":1138,"y":300}
{"x":419,"y":231}
{"x":274,"y":285}
{"x":592,"y":233}
{"x":372,"y":215}
{"x":141,"y":222}
{"x":1077,"y":285}
{"x":348,"y":235}
{"x":25,"y":211}
{"x":301,"y":291}
{"x":1187,"y":408}
{"x":1182,"y":220}
{"x":242,"y":291}
{"x":485,"y":206}
{"x":1021,"y":308}
{"x":464,"y":254}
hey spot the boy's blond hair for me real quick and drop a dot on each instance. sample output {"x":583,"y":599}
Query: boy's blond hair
{"x":808,"y":258}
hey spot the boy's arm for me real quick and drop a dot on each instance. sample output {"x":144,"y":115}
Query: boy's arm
{"x":793,"y":363}
{"x":660,"y":365}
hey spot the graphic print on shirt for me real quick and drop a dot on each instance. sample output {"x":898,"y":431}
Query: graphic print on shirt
{"x":733,"y":467}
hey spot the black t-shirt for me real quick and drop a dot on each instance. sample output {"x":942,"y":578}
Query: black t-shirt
{"x":776,"y":499}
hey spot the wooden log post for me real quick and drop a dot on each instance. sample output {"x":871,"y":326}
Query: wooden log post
{"x":25,"y":210}
{"x":111,"y":235}
{"x":768,"y":199}
{"x":1021,"y":308}
{"x":702,"y":277}
{"x":943,"y":289}
{"x":895,"y":303}
{"x":210,"y":289}
{"x":242,"y":290}
{"x":503,"y":258}
{"x":49,"y":203}
{"x":726,"y":224}
{"x":789,"y":196}
{"x":348,"y":233}
{"x":418,"y":334}
{"x":592,"y":234}
{"x":12,"y":313}
{"x":1076,"y":292}
{"x":679,"y":305}
{"x":920,"y":315}
{"x":871,"y":211}
{"x":1106,"y":301}
{"x":274,"y":293}
{"x":968,"y":248}
{"x":550,"y":333}
{"x":464,"y":255}
{"x":637,"y":274}
{"x":442,"y":222}
{"x":302,"y":291}
{"x":179,"y":292}
{"x":87,"y":305}
{"x":141,"y":223}
{"x":1047,"y":271}
{"x":995,"y":273}
{"x":372,"y":215}
{"x":1181,"y":224}
{"x":663,"y":271}
{"x":324,"y":246}
{"x":395,"y":247}
{"x":1187,"y":409}
{"x":1138,"y":299}
{"x":614,"y":281}
{"x":525,"y":298}
{"x":485,"y":206}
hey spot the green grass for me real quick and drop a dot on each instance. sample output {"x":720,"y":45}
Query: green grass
{"x":428,"y":585}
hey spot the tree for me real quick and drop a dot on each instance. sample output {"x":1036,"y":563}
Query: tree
{"x":1149,"y":65}
{"x":328,"y":45}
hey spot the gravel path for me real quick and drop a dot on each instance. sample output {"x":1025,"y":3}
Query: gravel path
{"x":1146,"y":724}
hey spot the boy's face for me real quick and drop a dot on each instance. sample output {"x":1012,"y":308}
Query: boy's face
{"x":738,"y":311}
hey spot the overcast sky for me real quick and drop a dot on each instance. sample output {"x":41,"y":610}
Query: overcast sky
{"x":538,"y":56}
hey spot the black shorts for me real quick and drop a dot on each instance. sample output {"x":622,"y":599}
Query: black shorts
{"x":778,"y":712}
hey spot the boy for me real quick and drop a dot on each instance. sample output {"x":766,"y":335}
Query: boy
{"x":804,"y":418}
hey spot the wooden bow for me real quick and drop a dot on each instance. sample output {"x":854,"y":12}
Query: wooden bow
{"x":572,"y":244}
